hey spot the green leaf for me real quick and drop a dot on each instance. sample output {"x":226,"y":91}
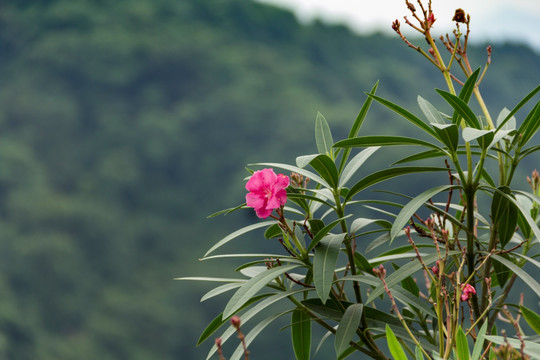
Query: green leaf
{"x":531,"y":348}
{"x":253,"y":311}
{"x":220,"y":290}
{"x":355,"y":163}
{"x":328,"y":310}
{"x":504,"y":215}
{"x":418,"y":353}
{"x":449,"y":135}
{"x":432,"y":114}
{"x":501,"y":272}
{"x":237,"y":233}
{"x":357,"y":125}
{"x":519,"y":106}
{"x":322,"y":232}
{"x":383,"y":140}
{"x":311,"y":175}
{"x":461,"y":108}
{"x":468,"y":88}
{"x":323,"y":164}
{"x":252,"y":286}
{"x":324,"y":264}
{"x":412,"y":206}
{"x":301,"y":334}
{"x":462,"y":345}
{"x":399,"y":293}
{"x":505,"y":122}
{"x":362,"y":263}
{"x":406,"y":270}
{"x":406,"y":114}
{"x":239,"y":352}
{"x":323,"y":136}
{"x":532,"y":318}
{"x":484,"y":137}
{"x":386,"y":174}
{"x":524,"y":211}
{"x":527,"y":279}
{"x":479,"y":343}
{"x":530,"y":126}
{"x":347,"y":327}
{"x":395,"y":347}
{"x":219,"y":320}
{"x":409,"y":284}
{"x":273,"y":231}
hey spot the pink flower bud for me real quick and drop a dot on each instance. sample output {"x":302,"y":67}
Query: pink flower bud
{"x":235,"y":321}
{"x":266,"y":192}
{"x":467,"y":291}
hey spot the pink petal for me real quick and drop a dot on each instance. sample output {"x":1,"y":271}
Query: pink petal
{"x":263,"y":213}
{"x":273,"y":203}
{"x":255,"y":201}
{"x":282,"y":181}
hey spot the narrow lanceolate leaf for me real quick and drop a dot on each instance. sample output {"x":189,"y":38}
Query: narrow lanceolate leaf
{"x":418,"y":353}
{"x":525,"y":277}
{"x":301,"y":334}
{"x":504,"y":214}
{"x":531,"y":348}
{"x":479,"y":343}
{"x":406,"y":114}
{"x":323,"y":164}
{"x":325,"y":230}
{"x":251,"y":287}
{"x":524,"y":211}
{"x":408,"y":210}
{"x":306,"y":173}
{"x":386,"y":174}
{"x":449,"y":135}
{"x":252,"y":335}
{"x":468,"y":88}
{"x":530,"y":126}
{"x":357,"y":125}
{"x":405,"y":271}
{"x":432,"y":114}
{"x":237,"y":233}
{"x":347,"y":327}
{"x":323,"y":136}
{"x":383,"y":140}
{"x":355,"y":163}
{"x":519,"y":106}
{"x":483,"y":137}
{"x":252,"y":312}
{"x":532,"y":318}
{"x":461,"y":108}
{"x":324,"y":264}
{"x":461,"y":345}
{"x":393,"y":344}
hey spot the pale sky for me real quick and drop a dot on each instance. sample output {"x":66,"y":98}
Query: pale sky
{"x":491,"y":20}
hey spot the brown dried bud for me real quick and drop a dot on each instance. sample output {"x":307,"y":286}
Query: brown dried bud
{"x":459,"y":16}
{"x":410,"y":6}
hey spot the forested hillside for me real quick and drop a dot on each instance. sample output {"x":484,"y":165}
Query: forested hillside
{"x":123,"y":124}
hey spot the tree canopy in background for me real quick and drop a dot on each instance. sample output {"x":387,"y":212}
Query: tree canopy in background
{"x":124,"y":124}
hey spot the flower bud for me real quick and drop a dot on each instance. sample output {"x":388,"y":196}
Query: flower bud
{"x":235,"y":321}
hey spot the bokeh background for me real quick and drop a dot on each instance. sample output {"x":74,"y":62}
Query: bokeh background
{"x":124,"y":124}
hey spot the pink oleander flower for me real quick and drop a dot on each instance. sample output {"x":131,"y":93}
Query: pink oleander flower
{"x":266,"y":191}
{"x":467,"y":291}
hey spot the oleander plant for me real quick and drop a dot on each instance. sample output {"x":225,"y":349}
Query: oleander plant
{"x":443,"y":285}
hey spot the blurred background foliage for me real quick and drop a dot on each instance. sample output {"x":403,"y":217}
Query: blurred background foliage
{"x":123,"y":124}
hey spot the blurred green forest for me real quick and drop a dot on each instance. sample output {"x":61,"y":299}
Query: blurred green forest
{"x":123,"y":124}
